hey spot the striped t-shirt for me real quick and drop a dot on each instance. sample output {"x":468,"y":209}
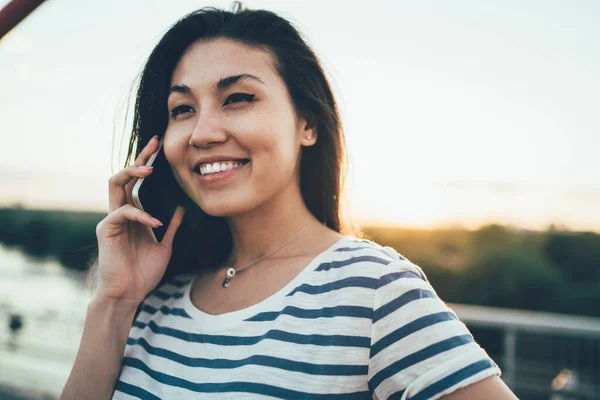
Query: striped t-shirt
{"x":358,"y":322}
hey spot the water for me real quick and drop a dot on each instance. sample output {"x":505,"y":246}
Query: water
{"x":52,"y":302}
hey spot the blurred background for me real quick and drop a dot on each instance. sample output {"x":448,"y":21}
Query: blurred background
{"x":473,"y":132}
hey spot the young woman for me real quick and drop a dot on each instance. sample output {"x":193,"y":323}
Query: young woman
{"x":258,"y":291}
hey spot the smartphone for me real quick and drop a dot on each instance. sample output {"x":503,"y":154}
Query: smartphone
{"x":158,"y":194}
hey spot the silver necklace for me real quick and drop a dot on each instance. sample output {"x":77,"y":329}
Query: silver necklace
{"x":232,"y":271}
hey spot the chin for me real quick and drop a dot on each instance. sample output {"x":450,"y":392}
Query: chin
{"x":224,"y":209}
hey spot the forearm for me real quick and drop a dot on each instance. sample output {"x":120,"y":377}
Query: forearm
{"x":98,"y":361}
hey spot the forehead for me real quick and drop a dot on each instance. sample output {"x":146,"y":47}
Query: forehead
{"x":205,"y":62}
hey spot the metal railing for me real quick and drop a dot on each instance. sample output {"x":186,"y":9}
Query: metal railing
{"x":542,"y":355}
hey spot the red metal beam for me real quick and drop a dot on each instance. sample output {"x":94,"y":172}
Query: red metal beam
{"x":15,"y":12}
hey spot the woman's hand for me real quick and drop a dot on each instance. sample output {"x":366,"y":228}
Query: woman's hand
{"x":130,"y":263}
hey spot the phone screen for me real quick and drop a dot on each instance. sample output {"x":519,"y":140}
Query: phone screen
{"x":159,"y":193}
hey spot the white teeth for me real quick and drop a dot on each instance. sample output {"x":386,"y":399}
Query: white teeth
{"x":218,"y":167}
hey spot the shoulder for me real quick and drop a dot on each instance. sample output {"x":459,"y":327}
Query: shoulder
{"x":419,"y":347}
{"x":383,"y":262}
{"x":398,"y":282}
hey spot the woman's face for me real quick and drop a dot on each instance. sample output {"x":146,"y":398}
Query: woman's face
{"x":228,"y":105}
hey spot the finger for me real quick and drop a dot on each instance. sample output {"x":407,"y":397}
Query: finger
{"x":173,"y":226}
{"x":130,"y":213}
{"x":122,"y":181}
{"x":147,"y":151}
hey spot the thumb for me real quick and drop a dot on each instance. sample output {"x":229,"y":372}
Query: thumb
{"x":173,"y":226}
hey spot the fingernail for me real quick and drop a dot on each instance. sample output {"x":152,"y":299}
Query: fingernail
{"x":146,"y":166}
{"x":157,"y":221}
{"x":154,"y":137}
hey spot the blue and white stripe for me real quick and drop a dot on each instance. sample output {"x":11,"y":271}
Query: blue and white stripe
{"x":359,"y":322}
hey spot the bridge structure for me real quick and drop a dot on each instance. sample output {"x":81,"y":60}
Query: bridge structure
{"x":541,"y":355}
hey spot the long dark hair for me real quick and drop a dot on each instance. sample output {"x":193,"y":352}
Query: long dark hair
{"x":204,"y":241}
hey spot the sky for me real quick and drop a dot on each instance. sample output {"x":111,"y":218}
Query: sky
{"x":455,"y":113}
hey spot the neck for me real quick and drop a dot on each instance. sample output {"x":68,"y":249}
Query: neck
{"x":264,"y":228}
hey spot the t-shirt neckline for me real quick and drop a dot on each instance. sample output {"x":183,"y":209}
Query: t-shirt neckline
{"x":213,"y":322}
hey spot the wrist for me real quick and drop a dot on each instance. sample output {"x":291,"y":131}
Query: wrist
{"x":114,"y":307}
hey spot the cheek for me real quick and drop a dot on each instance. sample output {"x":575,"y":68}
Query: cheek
{"x":174,"y":150}
{"x":169,"y":151}
{"x":266,"y":135}
{"x":178,"y":131}
{"x":274,"y":163}
{"x":252,"y":135}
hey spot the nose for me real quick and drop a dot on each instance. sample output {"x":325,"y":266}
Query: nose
{"x":208,"y":130}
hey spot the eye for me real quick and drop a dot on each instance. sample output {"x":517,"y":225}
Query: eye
{"x":237,"y":97}
{"x":179,"y":110}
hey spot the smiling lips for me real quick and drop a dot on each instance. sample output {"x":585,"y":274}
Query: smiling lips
{"x":212,"y":168}
{"x":216,"y":172}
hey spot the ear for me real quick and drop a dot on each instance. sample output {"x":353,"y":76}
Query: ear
{"x":308,"y":133}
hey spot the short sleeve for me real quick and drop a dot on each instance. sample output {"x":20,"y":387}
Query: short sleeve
{"x":419,"y":347}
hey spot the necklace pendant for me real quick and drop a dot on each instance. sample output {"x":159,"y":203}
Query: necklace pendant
{"x":230,"y":274}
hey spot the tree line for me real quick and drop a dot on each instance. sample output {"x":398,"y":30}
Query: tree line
{"x":553,"y":270}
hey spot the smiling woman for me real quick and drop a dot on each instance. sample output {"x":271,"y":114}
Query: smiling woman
{"x":252,"y":135}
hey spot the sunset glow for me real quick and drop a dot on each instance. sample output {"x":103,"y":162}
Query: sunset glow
{"x":459,"y":114}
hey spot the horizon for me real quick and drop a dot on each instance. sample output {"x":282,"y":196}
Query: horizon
{"x":365,"y":224}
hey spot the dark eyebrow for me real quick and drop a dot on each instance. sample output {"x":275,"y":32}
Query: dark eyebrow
{"x":224,"y":83}
{"x":180,"y":88}
{"x":221,"y":85}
